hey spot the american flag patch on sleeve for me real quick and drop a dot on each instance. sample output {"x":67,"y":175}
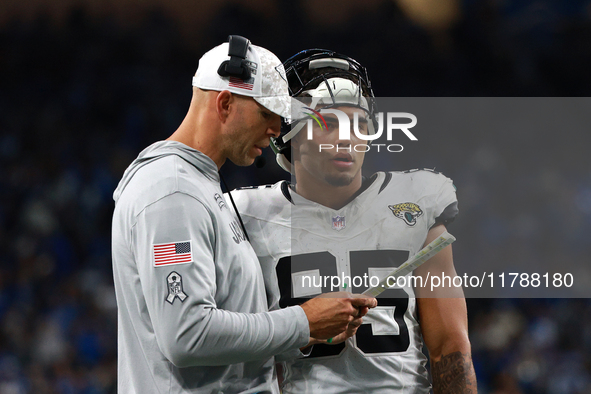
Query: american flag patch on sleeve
{"x":172,"y":253}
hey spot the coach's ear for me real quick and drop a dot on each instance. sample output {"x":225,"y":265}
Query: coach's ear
{"x":223,"y":104}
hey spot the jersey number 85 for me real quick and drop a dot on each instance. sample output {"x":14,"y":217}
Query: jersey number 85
{"x":394,"y":302}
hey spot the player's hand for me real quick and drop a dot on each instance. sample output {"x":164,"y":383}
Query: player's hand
{"x":330,"y":314}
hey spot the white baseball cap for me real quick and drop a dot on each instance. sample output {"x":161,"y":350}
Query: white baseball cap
{"x":267,"y":83}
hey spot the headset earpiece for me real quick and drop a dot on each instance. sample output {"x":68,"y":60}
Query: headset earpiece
{"x":235,"y":67}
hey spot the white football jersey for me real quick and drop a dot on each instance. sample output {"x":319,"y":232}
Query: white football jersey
{"x":303,"y":246}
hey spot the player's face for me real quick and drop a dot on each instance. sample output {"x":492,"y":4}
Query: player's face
{"x":251,"y":128}
{"x":326,"y":157}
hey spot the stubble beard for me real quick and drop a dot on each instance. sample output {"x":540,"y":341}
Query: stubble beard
{"x":242,"y":160}
{"x":239,"y":153}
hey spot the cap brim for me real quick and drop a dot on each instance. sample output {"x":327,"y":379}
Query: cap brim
{"x":281,"y":105}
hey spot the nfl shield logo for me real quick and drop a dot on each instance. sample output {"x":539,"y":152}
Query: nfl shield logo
{"x":338,"y":223}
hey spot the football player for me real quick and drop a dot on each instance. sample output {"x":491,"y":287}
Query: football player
{"x":333,"y":222}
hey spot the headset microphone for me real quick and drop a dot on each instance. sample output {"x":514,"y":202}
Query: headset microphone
{"x":260,"y":161}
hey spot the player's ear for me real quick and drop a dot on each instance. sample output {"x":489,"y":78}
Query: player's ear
{"x":223,"y":104}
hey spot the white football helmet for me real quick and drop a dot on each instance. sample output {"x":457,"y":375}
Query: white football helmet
{"x":320,"y":79}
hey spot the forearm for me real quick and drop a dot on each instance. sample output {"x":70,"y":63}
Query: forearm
{"x":454,"y":373}
{"x":224,"y":337}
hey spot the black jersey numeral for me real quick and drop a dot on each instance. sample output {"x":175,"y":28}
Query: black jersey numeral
{"x":326,"y":264}
{"x":393,"y":302}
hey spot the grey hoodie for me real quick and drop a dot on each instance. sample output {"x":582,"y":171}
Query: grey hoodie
{"x":193,"y":313}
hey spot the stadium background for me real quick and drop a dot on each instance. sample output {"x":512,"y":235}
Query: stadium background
{"x":85,"y":85}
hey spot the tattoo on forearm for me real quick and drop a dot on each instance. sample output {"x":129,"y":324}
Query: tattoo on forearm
{"x":454,"y":374}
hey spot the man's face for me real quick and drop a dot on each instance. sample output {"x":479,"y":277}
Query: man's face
{"x":250,"y":130}
{"x":328,"y":158}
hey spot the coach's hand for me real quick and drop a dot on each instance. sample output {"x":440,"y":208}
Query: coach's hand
{"x":348,"y":333}
{"x":330,"y":314}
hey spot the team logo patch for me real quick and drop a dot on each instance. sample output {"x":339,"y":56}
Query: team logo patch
{"x":175,"y":288}
{"x":408,"y":211}
{"x":172,"y":253}
{"x":219,"y":200}
{"x":338,"y":223}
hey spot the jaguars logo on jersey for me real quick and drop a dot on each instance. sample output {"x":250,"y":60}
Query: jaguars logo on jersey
{"x":408,"y":211}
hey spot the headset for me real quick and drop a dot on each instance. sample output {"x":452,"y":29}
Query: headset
{"x":236,"y":66}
